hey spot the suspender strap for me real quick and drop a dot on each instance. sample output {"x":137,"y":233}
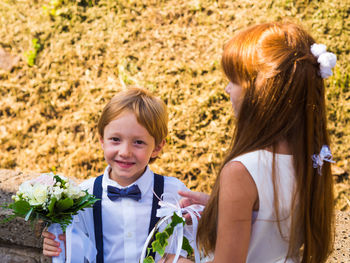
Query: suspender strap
{"x":158,"y":188}
{"x":98,"y":219}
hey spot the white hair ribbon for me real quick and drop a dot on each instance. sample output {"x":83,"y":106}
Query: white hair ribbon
{"x":327,"y":60}
{"x":325,"y":155}
{"x":165,"y":212}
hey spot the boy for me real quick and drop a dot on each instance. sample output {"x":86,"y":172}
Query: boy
{"x":132,"y":130}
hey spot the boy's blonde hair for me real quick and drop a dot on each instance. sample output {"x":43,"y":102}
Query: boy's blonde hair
{"x":150,"y":112}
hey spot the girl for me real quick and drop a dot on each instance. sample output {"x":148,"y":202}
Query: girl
{"x":273,"y":198}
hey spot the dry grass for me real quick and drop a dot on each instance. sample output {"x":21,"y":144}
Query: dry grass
{"x":48,"y":112}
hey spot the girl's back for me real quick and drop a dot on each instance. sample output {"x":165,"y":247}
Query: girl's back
{"x":268,"y":243}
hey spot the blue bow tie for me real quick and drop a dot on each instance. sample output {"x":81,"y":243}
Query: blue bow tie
{"x":131,"y":192}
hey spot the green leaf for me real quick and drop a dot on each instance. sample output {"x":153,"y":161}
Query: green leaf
{"x":87,"y":202}
{"x":64,"y":204}
{"x":160,"y":243}
{"x":52,"y":205}
{"x":59,"y":179}
{"x":21,"y":207}
{"x":186,"y":246}
{"x":162,"y":238}
{"x":31,"y":56}
{"x":157,"y":247}
{"x":169,"y":229}
{"x":148,"y":259}
{"x":176,"y":220}
{"x":86,"y":198}
{"x":148,"y":251}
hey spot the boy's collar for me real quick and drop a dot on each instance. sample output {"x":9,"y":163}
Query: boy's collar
{"x":144,"y":182}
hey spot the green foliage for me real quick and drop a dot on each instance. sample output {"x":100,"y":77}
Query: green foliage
{"x":161,"y":240}
{"x":52,"y":205}
{"x":60,"y":180}
{"x":149,"y":259}
{"x":20,"y":208}
{"x":32,"y":54}
{"x":65,"y":204}
{"x":186,"y":246}
{"x":176,"y":220}
{"x":61,"y":7}
{"x":53,"y":8}
{"x":160,"y":243}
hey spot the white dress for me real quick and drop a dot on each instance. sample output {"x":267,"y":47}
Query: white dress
{"x":266,"y":243}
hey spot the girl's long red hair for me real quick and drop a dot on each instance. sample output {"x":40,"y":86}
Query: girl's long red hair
{"x":283,"y":99}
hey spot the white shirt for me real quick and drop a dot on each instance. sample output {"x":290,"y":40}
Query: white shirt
{"x":125,"y":222}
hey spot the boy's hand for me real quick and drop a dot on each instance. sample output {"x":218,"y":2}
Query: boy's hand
{"x":51,"y":247}
{"x":192,"y":198}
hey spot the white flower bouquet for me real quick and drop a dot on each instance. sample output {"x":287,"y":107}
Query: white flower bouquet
{"x":51,"y":198}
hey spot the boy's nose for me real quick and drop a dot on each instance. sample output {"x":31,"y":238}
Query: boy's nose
{"x":125,"y":150}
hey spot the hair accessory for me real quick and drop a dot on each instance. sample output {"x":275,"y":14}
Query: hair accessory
{"x":325,"y":155}
{"x":327,"y":60}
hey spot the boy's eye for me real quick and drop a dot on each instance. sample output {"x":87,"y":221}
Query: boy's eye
{"x":139,"y":142}
{"x":115,"y":139}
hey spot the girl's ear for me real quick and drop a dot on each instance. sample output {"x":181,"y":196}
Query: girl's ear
{"x":157,"y":149}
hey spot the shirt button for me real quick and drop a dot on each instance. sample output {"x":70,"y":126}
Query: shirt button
{"x":129,"y":234}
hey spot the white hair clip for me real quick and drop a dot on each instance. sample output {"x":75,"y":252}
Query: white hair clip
{"x":327,"y":60}
{"x":325,"y":155}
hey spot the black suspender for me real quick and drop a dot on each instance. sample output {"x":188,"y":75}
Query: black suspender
{"x":158,"y":188}
{"x":98,"y":219}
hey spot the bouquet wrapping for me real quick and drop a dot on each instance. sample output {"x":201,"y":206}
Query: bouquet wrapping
{"x":53,"y":199}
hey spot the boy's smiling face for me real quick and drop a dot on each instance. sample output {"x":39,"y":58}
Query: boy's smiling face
{"x":128,"y":147}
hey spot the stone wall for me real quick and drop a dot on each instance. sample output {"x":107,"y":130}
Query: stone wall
{"x":21,"y":243}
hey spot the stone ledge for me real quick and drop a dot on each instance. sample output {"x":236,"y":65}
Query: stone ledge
{"x":341,"y":253}
{"x":20,"y":243}
{"x":15,"y":254}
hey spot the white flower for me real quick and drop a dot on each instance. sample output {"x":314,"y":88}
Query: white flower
{"x":39,"y":195}
{"x":327,"y":60}
{"x":57,"y":192}
{"x":318,"y":49}
{"x":26,"y":189}
{"x":325,"y":72}
{"x":45,"y":179}
{"x":73,"y":191}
